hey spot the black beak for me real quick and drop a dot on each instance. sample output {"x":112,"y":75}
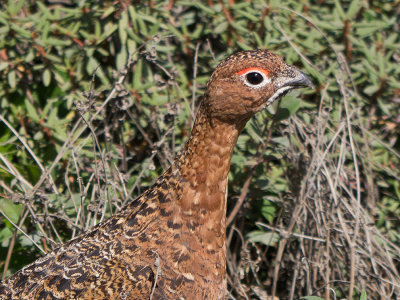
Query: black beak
{"x":299,"y":80}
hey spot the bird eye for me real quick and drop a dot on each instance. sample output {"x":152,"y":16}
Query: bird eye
{"x":254,"y":77}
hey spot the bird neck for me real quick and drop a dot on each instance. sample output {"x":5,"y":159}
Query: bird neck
{"x":205,"y":162}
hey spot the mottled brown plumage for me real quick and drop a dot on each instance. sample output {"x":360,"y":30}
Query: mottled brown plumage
{"x":169,"y":243}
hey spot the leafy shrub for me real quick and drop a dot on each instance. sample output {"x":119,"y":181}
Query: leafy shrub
{"x":97,"y":97}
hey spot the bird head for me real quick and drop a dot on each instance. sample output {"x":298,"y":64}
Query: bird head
{"x":246,"y":82}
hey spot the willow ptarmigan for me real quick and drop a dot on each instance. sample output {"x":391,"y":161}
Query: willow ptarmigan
{"x":169,"y":243}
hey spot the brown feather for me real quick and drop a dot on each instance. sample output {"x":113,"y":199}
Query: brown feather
{"x":169,"y":243}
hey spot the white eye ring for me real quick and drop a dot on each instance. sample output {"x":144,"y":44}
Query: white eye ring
{"x":260,"y":78}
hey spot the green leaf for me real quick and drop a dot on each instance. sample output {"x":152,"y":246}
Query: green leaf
{"x":23,"y":32}
{"x":122,"y":58}
{"x":288,"y":106}
{"x":31,"y":110}
{"x":369,"y":90}
{"x":353,"y":9}
{"x":205,"y":8}
{"x":137,"y":75}
{"x":46,"y":77}
{"x":254,"y":132}
{"x":123,"y":24}
{"x":11,"y":210}
{"x":3,"y":65}
{"x":266,"y":238}
{"x":12,"y":79}
{"x":269,"y":210}
{"x":5,"y":235}
{"x":52,"y":120}
{"x":38,"y":136}
{"x":92,"y":66}
{"x":14,"y":6}
{"x":339,"y":8}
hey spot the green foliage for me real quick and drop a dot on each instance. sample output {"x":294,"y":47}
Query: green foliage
{"x":266,"y":238}
{"x":363,"y":296}
{"x":68,"y":161}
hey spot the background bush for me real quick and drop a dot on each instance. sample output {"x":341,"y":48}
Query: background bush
{"x":96,"y":98}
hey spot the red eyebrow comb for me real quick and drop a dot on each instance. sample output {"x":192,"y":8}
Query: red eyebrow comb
{"x":241,"y":72}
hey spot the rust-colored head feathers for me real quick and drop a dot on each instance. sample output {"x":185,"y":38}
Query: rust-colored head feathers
{"x":246,"y":82}
{"x":169,"y":243}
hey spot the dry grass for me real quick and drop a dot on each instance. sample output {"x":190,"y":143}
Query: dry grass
{"x":327,"y":238}
{"x":326,"y":241}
